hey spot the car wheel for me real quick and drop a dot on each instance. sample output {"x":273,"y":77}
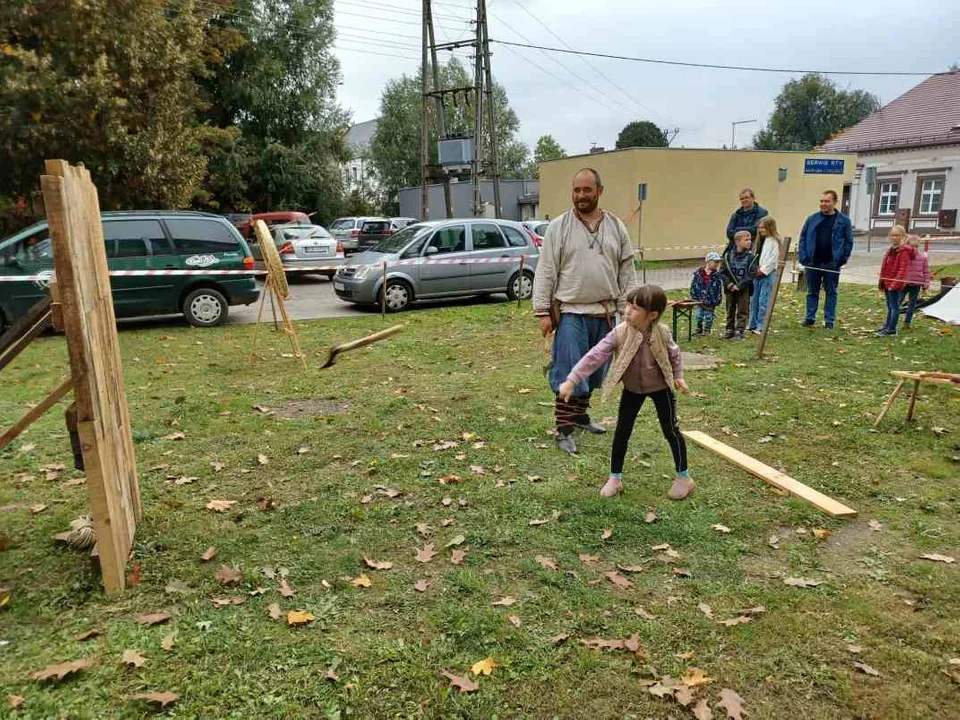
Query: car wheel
{"x":520,"y":286}
{"x":205,"y":307}
{"x":399,"y":295}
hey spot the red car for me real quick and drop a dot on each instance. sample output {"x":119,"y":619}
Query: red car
{"x":537,"y":229}
{"x":283,"y":217}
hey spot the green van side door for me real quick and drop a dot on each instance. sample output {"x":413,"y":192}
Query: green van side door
{"x":205,"y":244}
{"x":140,"y":244}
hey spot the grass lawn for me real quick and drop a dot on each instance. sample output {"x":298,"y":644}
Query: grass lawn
{"x":441,"y":435}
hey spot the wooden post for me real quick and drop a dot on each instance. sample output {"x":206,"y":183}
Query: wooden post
{"x":887,"y":405}
{"x":35,"y":412}
{"x":781,"y":267}
{"x":520,"y":284}
{"x":383,"y":293}
{"x":913,"y":400}
{"x":273,"y":309}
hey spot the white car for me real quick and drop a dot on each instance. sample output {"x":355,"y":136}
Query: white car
{"x":347,"y":230}
{"x":303,"y":246}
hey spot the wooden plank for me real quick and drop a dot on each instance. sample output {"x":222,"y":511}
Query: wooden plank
{"x":768,"y":474}
{"x":35,"y":412}
{"x":19,"y":344}
{"x":889,"y":403}
{"x":922,"y":377}
{"x":913,"y":399}
{"x":24,"y":323}
{"x":89,"y":324}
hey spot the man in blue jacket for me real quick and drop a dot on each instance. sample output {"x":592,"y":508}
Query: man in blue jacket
{"x":826,"y":242}
{"x":746,"y":217}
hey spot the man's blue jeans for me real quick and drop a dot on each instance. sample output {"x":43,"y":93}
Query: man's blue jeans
{"x":829,"y":282}
{"x":760,"y":300}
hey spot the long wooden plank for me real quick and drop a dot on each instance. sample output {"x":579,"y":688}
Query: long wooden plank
{"x":24,"y":323}
{"x":28,"y":335}
{"x":35,"y":412}
{"x":768,"y":474}
{"x":932,"y":379}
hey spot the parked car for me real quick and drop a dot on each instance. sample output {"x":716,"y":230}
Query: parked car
{"x":399,"y":223}
{"x":303,"y":246}
{"x":466,"y":247}
{"x":347,"y":230}
{"x":282,"y":217}
{"x":143,"y":240}
{"x":538,"y":228}
{"x":373,"y":231}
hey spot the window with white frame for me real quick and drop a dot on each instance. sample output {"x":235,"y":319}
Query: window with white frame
{"x":931,"y":195}
{"x":888,"y":193}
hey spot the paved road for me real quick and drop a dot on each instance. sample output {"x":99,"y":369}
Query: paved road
{"x":312,"y":296}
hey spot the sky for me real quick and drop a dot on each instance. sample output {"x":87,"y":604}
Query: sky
{"x":586,"y":101}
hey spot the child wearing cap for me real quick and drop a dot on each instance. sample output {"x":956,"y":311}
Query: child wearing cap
{"x":706,"y":288}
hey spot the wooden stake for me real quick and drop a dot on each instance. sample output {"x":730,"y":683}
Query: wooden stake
{"x":520,"y":284}
{"x":913,"y":398}
{"x":887,"y":405}
{"x":383,"y":293}
{"x":273,"y":309}
{"x":781,"y":266}
{"x":35,"y":412}
{"x":267,"y":288}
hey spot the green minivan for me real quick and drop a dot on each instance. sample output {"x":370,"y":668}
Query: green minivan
{"x":143,"y":240}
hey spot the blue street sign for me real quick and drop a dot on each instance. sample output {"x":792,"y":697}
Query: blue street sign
{"x":822,"y":166}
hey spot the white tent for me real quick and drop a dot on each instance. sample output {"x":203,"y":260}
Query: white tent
{"x":946,"y":308}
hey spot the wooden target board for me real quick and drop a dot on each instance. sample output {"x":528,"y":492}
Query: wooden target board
{"x":82,"y":287}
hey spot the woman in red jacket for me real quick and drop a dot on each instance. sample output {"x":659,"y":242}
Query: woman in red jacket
{"x":893,"y":276}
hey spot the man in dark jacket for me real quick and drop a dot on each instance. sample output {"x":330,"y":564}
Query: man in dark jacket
{"x":826,"y":242}
{"x":746,"y":217}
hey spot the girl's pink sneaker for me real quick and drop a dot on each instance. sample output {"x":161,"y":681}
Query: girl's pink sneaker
{"x":612,"y":488}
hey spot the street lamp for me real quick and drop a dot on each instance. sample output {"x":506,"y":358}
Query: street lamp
{"x":733,"y":131}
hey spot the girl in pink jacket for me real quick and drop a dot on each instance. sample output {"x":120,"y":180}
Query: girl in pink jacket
{"x":918,"y":278}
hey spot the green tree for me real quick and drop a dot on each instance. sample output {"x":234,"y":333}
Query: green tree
{"x":641,"y":133}
{"x":810,"y":111}
{"x":547,"y":149}
{"x":395,"y":148}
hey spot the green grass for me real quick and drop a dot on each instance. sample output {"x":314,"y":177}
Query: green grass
{"x":458,"y":370}
{"x":952,"y":270}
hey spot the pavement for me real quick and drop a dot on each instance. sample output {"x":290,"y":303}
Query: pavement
{"x":312,"y":296}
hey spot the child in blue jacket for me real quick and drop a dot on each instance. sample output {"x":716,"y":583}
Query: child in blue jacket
{"x":707,"y":289}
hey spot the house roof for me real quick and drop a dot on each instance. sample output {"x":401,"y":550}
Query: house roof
{"x":926,"y":115}
{"x":359,"y":136}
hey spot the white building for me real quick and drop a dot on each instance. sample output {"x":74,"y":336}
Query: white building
{"x":908,"y":161}
{"x":358,"y":173}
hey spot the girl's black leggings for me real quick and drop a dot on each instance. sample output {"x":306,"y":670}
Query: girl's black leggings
{"x":666,"y":404}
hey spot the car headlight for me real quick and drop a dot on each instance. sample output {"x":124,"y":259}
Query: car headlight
{"x":361,"y":272}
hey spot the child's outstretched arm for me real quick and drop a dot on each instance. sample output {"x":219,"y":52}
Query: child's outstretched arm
{"x":589,"y":364}
{"x":676,"y":362}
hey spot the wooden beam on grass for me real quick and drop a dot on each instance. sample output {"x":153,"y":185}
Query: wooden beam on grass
{"x":768,"y":474}
{"x":35,"y":412}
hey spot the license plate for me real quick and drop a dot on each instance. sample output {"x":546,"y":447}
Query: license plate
{"x":338,"y":286}
{"x":312,"y":249}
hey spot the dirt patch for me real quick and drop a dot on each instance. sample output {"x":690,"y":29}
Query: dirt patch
{"x":299,"y":409}
{"x":853,"y":549}
{"x":696,"y":361}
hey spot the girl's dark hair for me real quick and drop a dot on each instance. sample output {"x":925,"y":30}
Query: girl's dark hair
{"x":649,"y":297}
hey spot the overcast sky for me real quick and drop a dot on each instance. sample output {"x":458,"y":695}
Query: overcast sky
{"x":548,"y":96}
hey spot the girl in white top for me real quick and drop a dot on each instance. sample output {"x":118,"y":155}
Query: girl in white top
{"x":769,"y":256}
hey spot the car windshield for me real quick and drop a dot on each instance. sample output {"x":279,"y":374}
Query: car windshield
{"x":398,"y":241}
{"x":304,"y":232}
{"x":377,"y":226}
{"x":342,"y":224}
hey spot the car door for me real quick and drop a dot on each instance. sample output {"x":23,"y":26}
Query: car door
{"x":130,"y":246}
{"x":488,"y":267}
{"x":445,"y":269}
{"x":203,"y":243}
{"x":32,"y":257}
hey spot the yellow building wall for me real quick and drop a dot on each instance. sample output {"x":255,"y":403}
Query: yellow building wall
{"x":691,"y":193}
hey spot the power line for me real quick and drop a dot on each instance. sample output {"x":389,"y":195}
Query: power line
{"x":748,"y":68}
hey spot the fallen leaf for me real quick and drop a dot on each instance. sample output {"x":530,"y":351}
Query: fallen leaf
{"x":484,"y":667}
{"x":303,"y":450}
{"x":274,"y":611}
{"x":478,"y":470}
{"x":209,"y":554}
{"x":606,"y":534}
{"x":683,"y":695}
{"x":80,"y":637}
{"x":547,"y":563}
{"x":702,"y":711}
{"x":458,"y":540}
{"x":758,"y":610}
{"x":229,"y":575}
{"x":456,"y":557}
{"x":464,"y":684}
{"x":174,"y":436}
{"x":506,"y":601}
{"x":524,"y":391}
{"x":221,"y":505}
{"x":227,"y":601}
{"x":732,"y":703}
{"x":133,"y":658}
{"x":426,"y":553}
{"x":362,"y":580}
{"x":938,"y":558}
{"x":263,"y":459}
{"x":169,"y":640}
{"x":821,"y":533}
{"x":331,"y":675}
{"x":706,"y":610}
{"x":650,"y":517}
{"x":557,"y":639}
{"x":37,"y":509}
{"x":939,"y":431}
{"x":720,"y":528}
{"x":178,"y":586}
{"x":662,"y":546}
{"x":684,"y":655}
{"x":448,"y":479}
{"x":660,"y":690}
{"x":421,"y":586}
{"x":447,"y":522}
{"x":59,"y":672}
{"x":160,"y":698}
{"x":864,"y":668}
{"x":801,"y":582}
{"x":618,"y":579}
{"x":266,"y":503}
{"x":855,"y":649}
{"x":153,"y":619}
{"x":538,"y":522}
{"x":423,"y":529}
{"x":514,"y":620}
{"x":875,"y":525}
{"x":681,"y":572}
{"x":630,"y":568}
{"x":377,"y":565}
{"x":217,"y":466}
{"x":73,"y":482}
{"x":15,"y":701}
{"x":742,"y":620}
{"x":589,"y":559}
{"x":299,"y":617}
{"x":643,"y":613}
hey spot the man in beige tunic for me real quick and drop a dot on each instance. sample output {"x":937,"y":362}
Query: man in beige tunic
{"x":583,"y":276}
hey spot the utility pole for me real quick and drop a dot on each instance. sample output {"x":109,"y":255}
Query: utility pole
{"x":492,"y":132}
{"x":424,"y":117}
{"x":441,"y":109}
{"x":476,"y":164}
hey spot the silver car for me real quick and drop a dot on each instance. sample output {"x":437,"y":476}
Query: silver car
{"x":347,"y":230}
{"x":442,"y":259}
{"x":304,"y":246}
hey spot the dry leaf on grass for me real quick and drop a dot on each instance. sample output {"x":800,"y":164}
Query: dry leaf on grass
{"x":683,"y":695}
{"x":224,"y":602}
{"x":557,"y":639}
{"x":221,"y":505}
{"x":37,"y":509}
{"x":421,"y":586}
{"x":464,"y":684}
{"x":133,"y":658}
{"x":377,"y":565}
{"x":15,"y":701}
{"x":538,"y":522}
{"x":618,"y":579}
{"x":801,"y":582}
{"x":229,"y":575}
{"x":630,"y":568}
{"x":169,"y":640}
{"x":875,"y":525}
{"x":174,"y":436}
{"x":694,"y":677}
{"x":263,"y":459}
{"x":548,"y":563}
{"x":821,"y":533}
{"x":514,"y":620}
{"x":299,"y":617}
{"x":458,"y":540}
{"x":448,"y":479}
{"x":682,"y":572}
{"x":274,"y":611}
{"x":160,"y":698}
{"x":589,"y":559}
{"x":938,"y":558}
{"x":362,"y":580}
{"x":80,"y":637}
{"x":457,"y":556}
{"x":59,"y":672}
{"x":423,"y":528}
{"x":331,"y":675}
{"x":484,"y":667}
{"x":742,"y":620}
{"x":720,"y":528}
{"x":606,"y":534}
{"x":650,"y":517}
{"x":706,"y":610}
{"x":285,"y":588}
{"x":866,"y":669}
{"x":732,"y":703}
{"x":702,"y":711}
{"x":505,"y":601}
{"x":209,"y":554}
{"x":153,"y":619}
{"x":426,"y":553}
{"x":638,"y":610}
{"x":855,"y":649}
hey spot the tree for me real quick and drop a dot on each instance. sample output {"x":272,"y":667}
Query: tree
{"x":395,"y":148}
{"x":547,"y":149}
{"x":641,"y":133}
{"x":810,"y":111}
